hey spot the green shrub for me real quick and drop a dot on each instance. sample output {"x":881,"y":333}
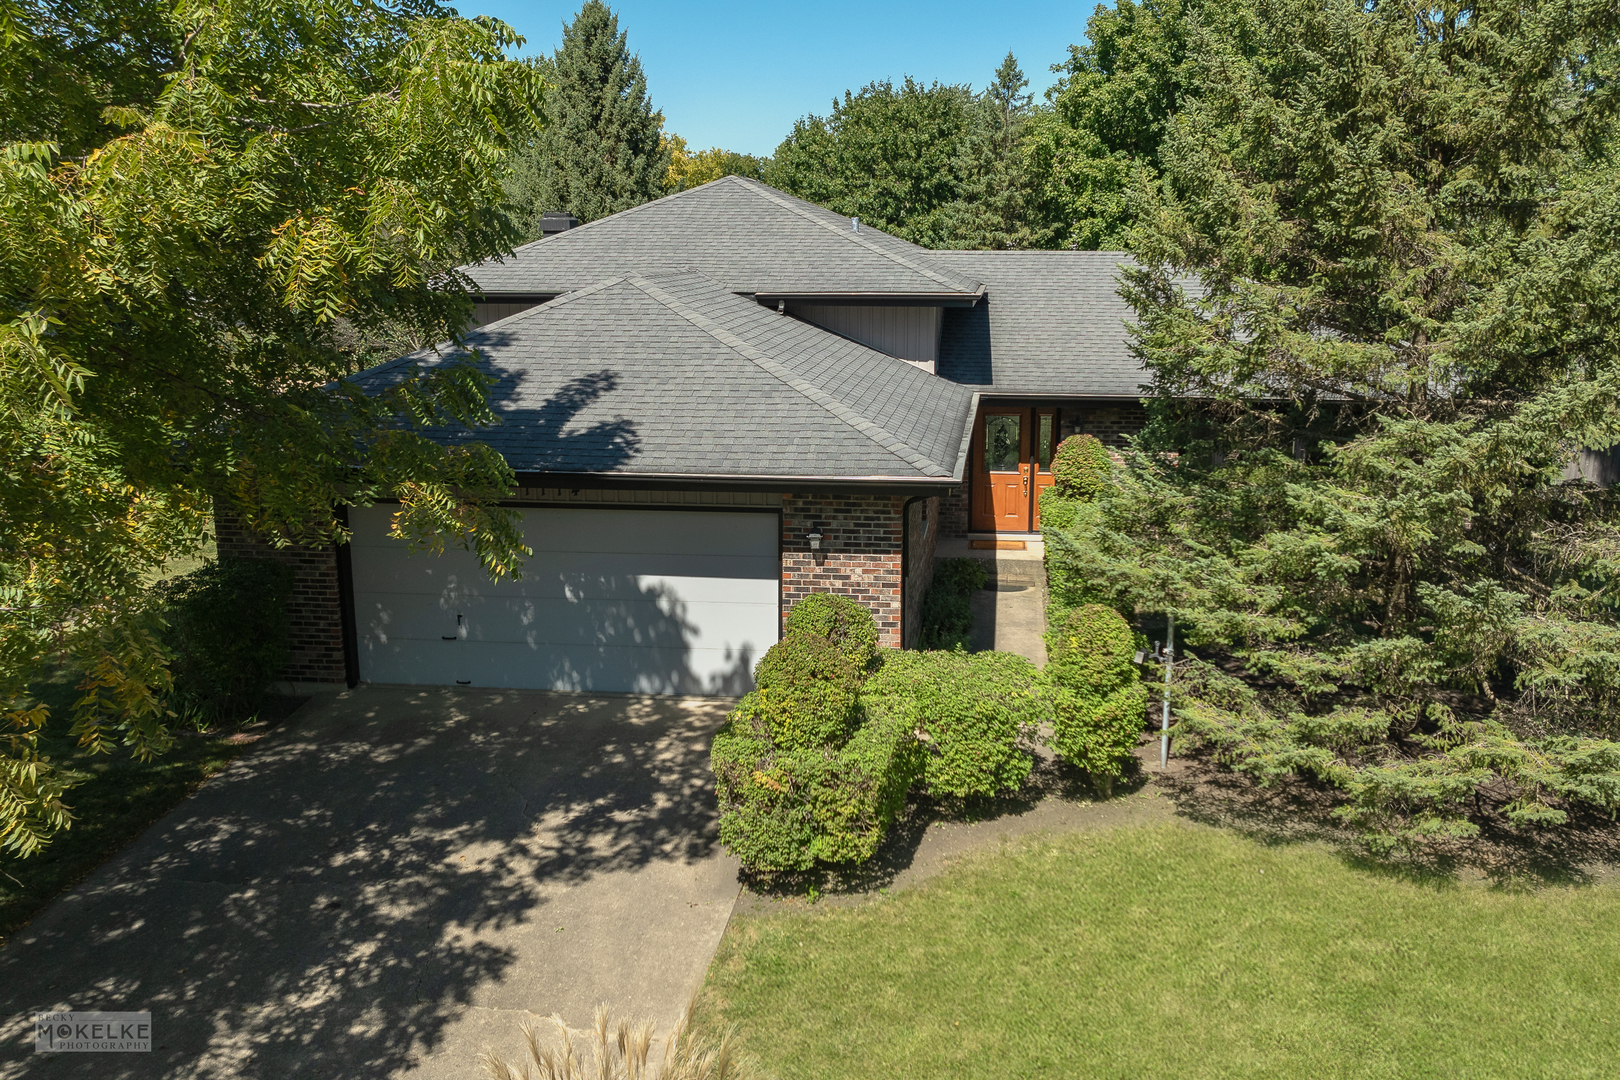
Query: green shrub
{"x":1081,"y":467}
{"x":844,"y":622}
{"x":765,"y":815}
{"x":1058,"y":510}
{"x":1098,"y":701}
{"x":227,"y":631}
{"x":947,"y":608}
{"x":806,"y":692}
{"x":1093,"y":648}
{"x":800,"y":774}
{"x":979,"y":710}
{"x":788,"y":808}
{"x":857,"y":800}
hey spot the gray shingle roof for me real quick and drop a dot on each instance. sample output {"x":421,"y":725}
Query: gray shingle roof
{"x":675,"y":374}
{"x":1051,"y":323}
{"x":745,"y":235}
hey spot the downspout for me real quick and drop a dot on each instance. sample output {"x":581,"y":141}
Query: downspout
{"x":905,"y":563}
{"x":345,"y":582}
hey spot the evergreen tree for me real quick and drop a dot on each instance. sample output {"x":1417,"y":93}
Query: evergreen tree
{"x":1402,"y":223}
{"x":602,"y":149}
{"x":989,"y":210}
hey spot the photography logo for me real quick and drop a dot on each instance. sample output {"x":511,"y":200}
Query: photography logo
{"x":92,"y":1032}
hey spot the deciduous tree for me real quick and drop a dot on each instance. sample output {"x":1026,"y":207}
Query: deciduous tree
{"x":196,"y":201}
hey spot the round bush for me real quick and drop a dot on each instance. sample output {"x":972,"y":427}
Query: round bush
{"x":1099,"y":732}
{"x":1093,"y":650}
{"x":1081,"y":466}
{"x":806,"y":692}
{"x":844,"y":622}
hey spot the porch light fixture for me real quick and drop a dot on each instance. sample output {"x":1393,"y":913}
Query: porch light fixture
{"x":815,"y":540}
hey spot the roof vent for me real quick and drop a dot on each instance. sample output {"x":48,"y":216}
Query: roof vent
{"x":553,"y":222}
{"x":854,"y":224}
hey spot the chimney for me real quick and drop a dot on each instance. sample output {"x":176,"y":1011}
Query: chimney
{"x":553,"y":222}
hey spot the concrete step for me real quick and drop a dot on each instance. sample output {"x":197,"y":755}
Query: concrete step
{"x":1025,"y":567}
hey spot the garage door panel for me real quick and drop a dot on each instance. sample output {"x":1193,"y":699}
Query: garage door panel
{"x":680,"y":620}
{"x":700,"y":623}
{"x":461,"y":597}
{"x":456,"y":573}
{"x":510,"y":665}
{"x":648,"y":531}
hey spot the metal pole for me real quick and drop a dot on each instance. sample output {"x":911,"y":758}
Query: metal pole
{"x":1164,"y":725}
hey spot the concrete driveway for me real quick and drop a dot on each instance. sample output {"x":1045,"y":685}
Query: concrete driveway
{"x":389,"y":883}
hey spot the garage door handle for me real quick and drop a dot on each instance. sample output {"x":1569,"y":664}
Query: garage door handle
{"x":450,"y":637}
{"x":463,"y":682}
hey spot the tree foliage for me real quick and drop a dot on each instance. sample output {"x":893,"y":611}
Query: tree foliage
{"x":694,"y":168}
{"x":935,"y":164}
{"x":1402,"y":221}
{"x":196,"y":203}
{"x":602,"y":148}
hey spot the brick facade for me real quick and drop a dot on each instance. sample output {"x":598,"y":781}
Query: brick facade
{"x":860,"y":554}
{"x":315,"y":615}
{"x":953,"y":513}
{"x":1113,"y":424}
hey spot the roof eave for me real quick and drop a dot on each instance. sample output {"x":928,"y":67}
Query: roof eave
{"x":873,"y":299}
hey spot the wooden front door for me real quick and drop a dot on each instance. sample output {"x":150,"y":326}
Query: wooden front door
{"x":1011,"y":466}
{"x":1002,"y":471}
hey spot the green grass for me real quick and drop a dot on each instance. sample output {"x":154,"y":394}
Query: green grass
{"x":121,"y":798}
{"x":1179,"y":951}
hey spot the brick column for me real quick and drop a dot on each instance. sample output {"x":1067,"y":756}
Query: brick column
{"x":860,"y":554}
{"x":314,"y":612}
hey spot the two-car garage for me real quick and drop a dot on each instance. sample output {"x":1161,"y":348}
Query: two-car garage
{"x":655,"y":601}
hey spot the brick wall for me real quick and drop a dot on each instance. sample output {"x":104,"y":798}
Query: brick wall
{"x":953,"y":512}
{"x":1110,"y":423}
{"x":860,"y":554}
{"x":314,"y":614}
{"x":922,"y":536}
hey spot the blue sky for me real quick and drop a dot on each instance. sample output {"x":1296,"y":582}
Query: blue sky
{"x":738,"y":74}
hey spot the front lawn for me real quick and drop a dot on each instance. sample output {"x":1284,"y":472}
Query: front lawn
{"x":1175,"y":950}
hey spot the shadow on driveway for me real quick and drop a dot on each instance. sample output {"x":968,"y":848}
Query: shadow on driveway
{"x":386,"y":883}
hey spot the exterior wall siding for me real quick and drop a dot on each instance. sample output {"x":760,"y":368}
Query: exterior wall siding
{"x":910,"y":333}
{"x":314,"y":613}
{"x":860,"y":556}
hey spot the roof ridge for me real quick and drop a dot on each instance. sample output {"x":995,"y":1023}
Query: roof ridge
{"x":618,"y":214}
{"x":765,"y":191}
{"x":875,"y":432}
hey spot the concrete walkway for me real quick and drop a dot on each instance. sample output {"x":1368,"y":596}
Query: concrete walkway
{"x":1009,"y":615}
{"x":391,"y":882}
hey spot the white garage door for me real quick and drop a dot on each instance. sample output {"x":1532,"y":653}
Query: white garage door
{"x":658,"y":601}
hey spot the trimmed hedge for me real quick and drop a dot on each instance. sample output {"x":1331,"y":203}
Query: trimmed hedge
{"x":857,"y":801}
{"x":226,"y":626}
{"x":765,"y":814}
{"x":806,"y":692}
{"x":979,"y":710}
{"x":947,"y":608}
{"x":802,"y":775}
{"x":1081,"y":467}
{"x":1099,"y":703}
{"x":844,"y":622}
